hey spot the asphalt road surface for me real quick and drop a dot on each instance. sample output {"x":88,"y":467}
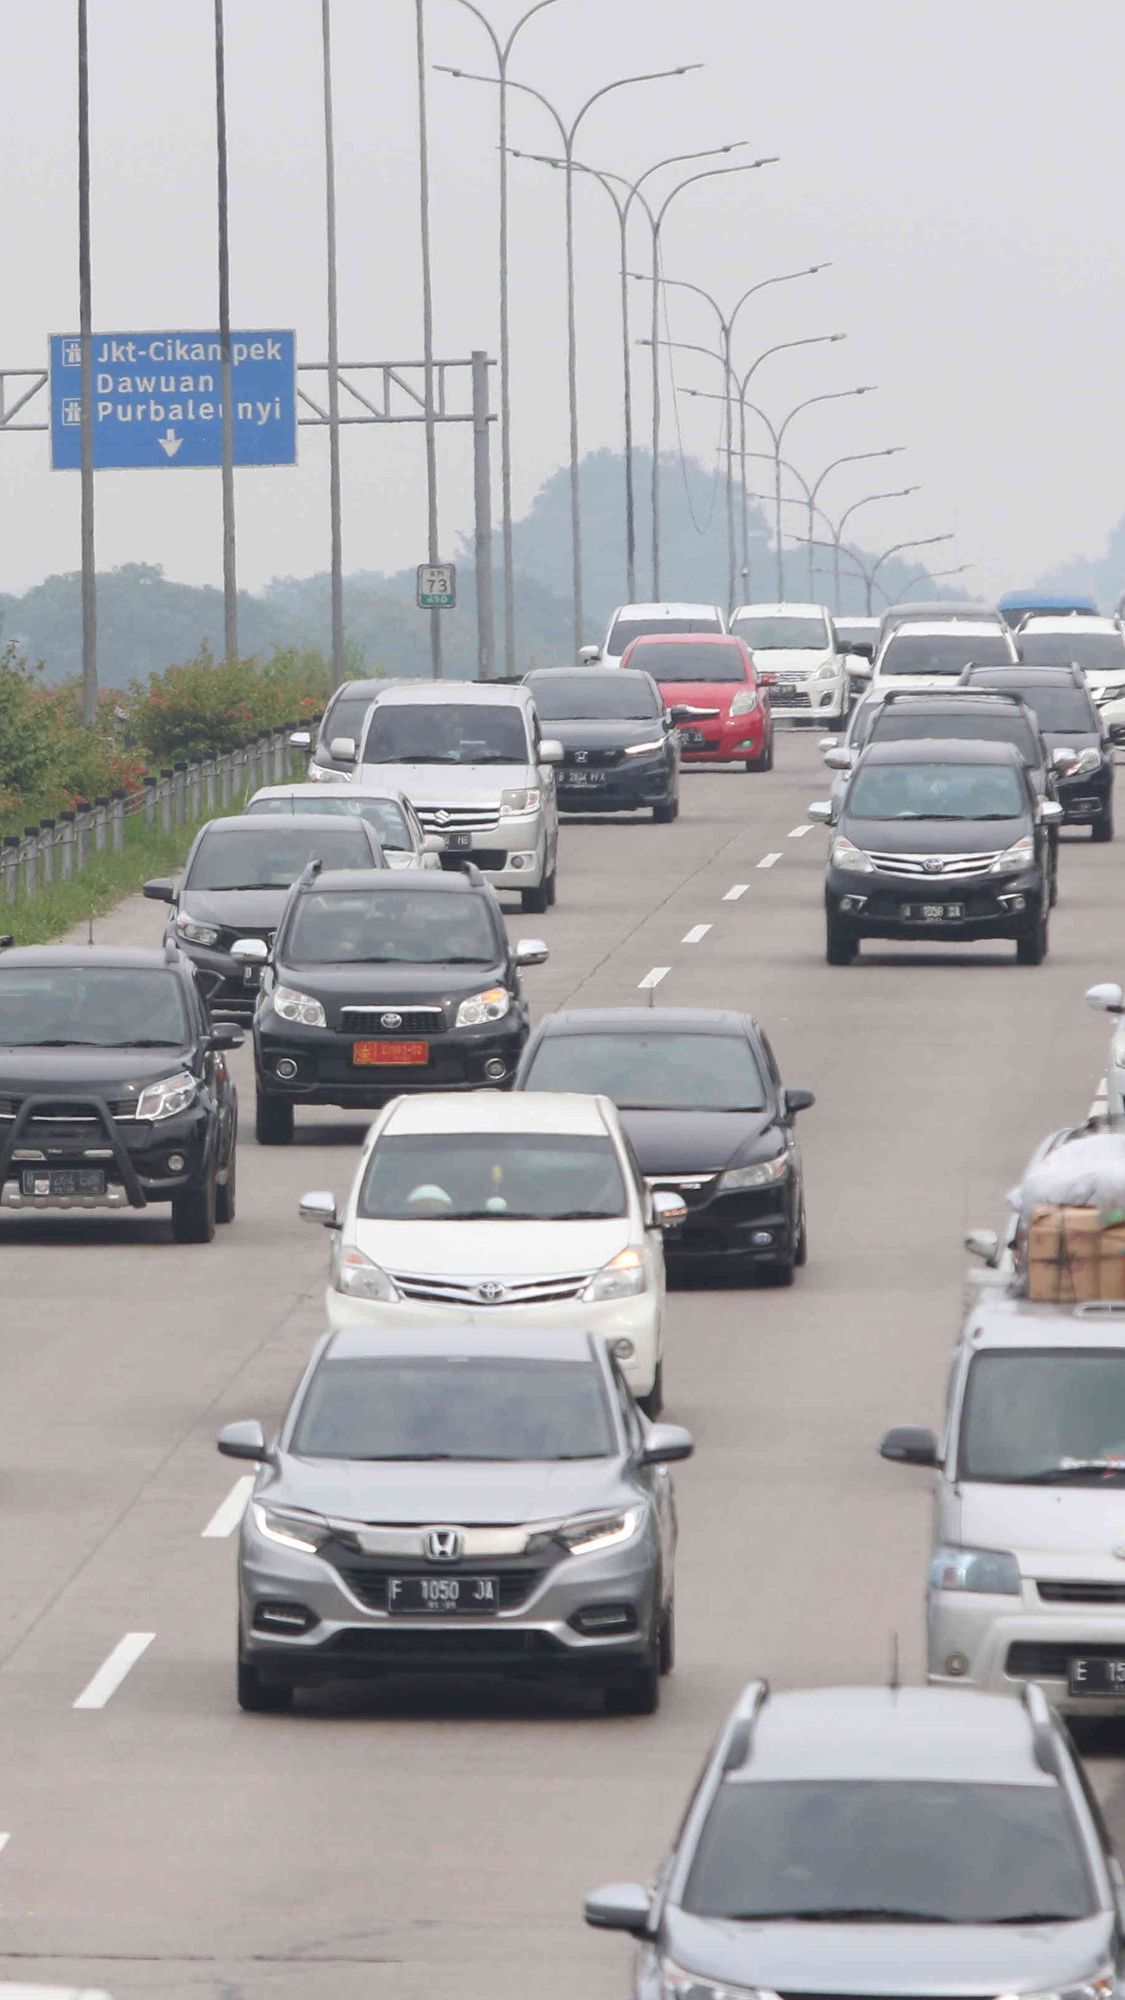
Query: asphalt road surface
{"x":160,"y":1842}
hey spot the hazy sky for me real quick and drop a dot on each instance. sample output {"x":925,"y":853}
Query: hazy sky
{"x":960,"y":163}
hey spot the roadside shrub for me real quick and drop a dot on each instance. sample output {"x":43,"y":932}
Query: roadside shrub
{"x":206,"y":706}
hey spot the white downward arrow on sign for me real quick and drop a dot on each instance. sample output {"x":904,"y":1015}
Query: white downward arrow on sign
{"x":170,"y":443}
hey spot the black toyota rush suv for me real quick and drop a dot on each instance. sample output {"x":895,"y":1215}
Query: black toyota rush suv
{"x":114,"y":1087}
{"x":384,"y":983}
{"x":945,"y":841}
{"x":1069,"y":720}
{"x":621,"y":746}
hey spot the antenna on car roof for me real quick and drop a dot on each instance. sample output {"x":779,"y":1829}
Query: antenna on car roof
{"x":895,"y":1681}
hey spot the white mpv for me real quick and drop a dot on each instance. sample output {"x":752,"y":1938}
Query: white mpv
{"x":526,"y":1209}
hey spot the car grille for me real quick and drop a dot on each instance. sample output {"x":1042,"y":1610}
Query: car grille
{"x":1068,"y":1591}
{"x":368,"y":1581}
{"x":922,"y":865}
{"x":591,"y":759}
{"x":481,"y":857}
{"x":393,"y":1645}
{"x":796,"y":698}
{"x":66,"y":1112}
{"x":511,"y":1291}
{"x":695,"y":1188}
{"x":1049,"y":1659}
{"x":392,"y":1020}
{"x":459,"y":819}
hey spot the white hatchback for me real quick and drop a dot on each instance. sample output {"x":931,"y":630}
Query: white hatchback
{"x":526,"y":1210}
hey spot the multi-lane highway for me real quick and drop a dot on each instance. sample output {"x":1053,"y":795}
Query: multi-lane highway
{"x":158,"y":1840}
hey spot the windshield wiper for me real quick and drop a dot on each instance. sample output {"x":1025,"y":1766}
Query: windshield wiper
{"x":847,"y":1913}
{"x":232,"y":888}
{"x":1030,"y":1917}
{"x":1073,"y":1468}
{"x":146,"y":1042}
{"x":65,"y":1042}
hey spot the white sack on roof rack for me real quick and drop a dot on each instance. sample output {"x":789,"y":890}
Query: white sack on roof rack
{"x":1085,"y":1173}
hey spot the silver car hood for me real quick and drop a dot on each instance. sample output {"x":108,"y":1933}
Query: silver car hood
{"x":462,"y":1495}
{"x":453,"y":784}
{"x":1046,"y":1522}
{"x":904,"y":1959}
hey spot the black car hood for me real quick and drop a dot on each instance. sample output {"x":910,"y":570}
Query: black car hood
{"x":1073,"y":739}
{"x":109,"y":1072}
{"x":604,"y":733}
{"x":257,"y":909}
{"x":375,"y":983}
{"x":934,"y":836}
{"x":699,"y":1142}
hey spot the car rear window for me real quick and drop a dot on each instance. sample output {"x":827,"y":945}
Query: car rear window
{"x":669,"y":664}
{"x":652,"y":1071}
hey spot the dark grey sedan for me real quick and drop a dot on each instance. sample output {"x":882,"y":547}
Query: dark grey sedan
{"x":467,"y":1502}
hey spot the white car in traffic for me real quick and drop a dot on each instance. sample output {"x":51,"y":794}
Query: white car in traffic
{"x":399,"y":831}
{"x":525,"y":1209}
{"x":797,"y":653}
{"x":928,"y":658}
{"x":1097,"y":645}
{"x":650,"y":621}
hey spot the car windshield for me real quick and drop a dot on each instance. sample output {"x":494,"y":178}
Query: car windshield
{"x":669,"y":664}
{"x":627,"y":629}
{"x":447,"y":732}
{"x":935,"y":791}
{"x":1094,"y":652}
{"x":841,"y":1850}
{"x":383,"y":816}
{"x":1060,"y":705}
{"x":492,"y":1176}
{"x":1058,"y":1414}
{"x":593,"y":697}
{"x":461,"y":1407}
{"x":97,"y":1006}
{"x":779,"y":634}
{"x":901,"y":723}
{"x":943,"y":653}
{"x":652,"y":1071}
{"x":418,"y":926}
{"x":242,"y":858}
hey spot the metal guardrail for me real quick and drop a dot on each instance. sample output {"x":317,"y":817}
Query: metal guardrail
{"x":59,"y":849}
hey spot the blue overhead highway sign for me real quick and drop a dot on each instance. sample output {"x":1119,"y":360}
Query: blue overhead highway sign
{"x":158,"y":399}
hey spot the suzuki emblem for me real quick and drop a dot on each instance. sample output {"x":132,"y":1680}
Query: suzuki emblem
{"x":442,"y":817}
{"x":443,"y":1545}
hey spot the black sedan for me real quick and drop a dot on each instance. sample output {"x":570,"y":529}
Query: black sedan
{"x":701,"y":1098}
{"x":621,"y":746}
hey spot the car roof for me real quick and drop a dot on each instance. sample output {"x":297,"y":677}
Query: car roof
{"x":483,"y":1341}
{"x":397,"y":881}
{"x":667,"y":611}
{"x":999,"y":1319}
{"x":947,"y":607}
{"x":528,"y":1111}
{"x":1074,"y":621}
{"x":939,"y":750}
{"x":513,"y":694}
{"x":951,"y":628}
{"x":932,"y":701}
{"x":906,"y":1734}
{"x":646,"y":1020}
{"x":361,"y":787}
{"x":134,"y":958}
{"x":1028,"y":673}
{"x":778,"y":610}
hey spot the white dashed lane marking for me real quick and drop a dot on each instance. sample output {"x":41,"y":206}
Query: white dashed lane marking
{"x":796,"y":832}
{"x":226,"y":1518}
{"x":113,"y":1670}
{"x":696,"y":934}
{"x":769,"y":860}
{"x":738,"y":890}
{"x":653,"y":978}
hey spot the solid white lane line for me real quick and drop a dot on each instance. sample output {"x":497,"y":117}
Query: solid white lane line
{"x":226,"y":1518}
{"x":696,"y":934}
{"x":796,"y":832}
{"x":768,"y":860}
{"x":113,"y":1670}
{"x":653,"y":978}
{"x":738,"y":890}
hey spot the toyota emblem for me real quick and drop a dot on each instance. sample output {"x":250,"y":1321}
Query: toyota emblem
{"x":490,"y":1293}
{"x":933,"y":864}
{"x":390,"y":1020}
{"x":443,"y":1545}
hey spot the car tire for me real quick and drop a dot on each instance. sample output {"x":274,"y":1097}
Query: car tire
{"x":273,"y":1120}
{"x":226,"y":1194}
{"x":194,"y":1212}
{"x":1102,"y":828}
{"x":666,"y":1643}
{"x":801,"y":1253}
{"x":259,"y":1693}
{"x":653,"y":1403}
{"x":639,"y":1692}
{"x":841,"y":945}
{"x":665,"y":814}
{"x":764,"y":762}
{"x":553,"y":885}
{"x":1031,"y":948}
{"x":535,"y":901}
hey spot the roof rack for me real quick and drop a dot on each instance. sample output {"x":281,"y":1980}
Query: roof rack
{"x":310,"y":871}
{"x":740,"y":1729}
{"x":959,"y":688}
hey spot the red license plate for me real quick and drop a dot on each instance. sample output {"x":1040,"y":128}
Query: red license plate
{"x":370,"y":1055}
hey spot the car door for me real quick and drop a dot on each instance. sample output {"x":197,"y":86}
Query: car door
{"x":212,"y":1064}
{"x":797,"y":1173}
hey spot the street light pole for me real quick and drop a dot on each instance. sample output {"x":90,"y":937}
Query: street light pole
{"x":849,"y":458}
{"x":900,"y":493}
{"x":86,"y":412}
{"x":436,"y":661}
{"x":335,"y":526}
{"x":870,"y":572}
{"x":930,"y":576}
{"x":503,"y":53}
{"x":230,"y":573}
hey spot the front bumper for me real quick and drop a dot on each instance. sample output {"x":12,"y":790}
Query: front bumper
{"x":810,"y":700}
{"x":1008,"y":1641}
{"x":748,"y":1225}
{"x":229,"y":987}
{"x":627,"y":786}
{"x":539,"y":1633}
{"x":510,"y":853}
{"x":1086,"y":798}
{"x":323,"y":1072}
{"x":871,"y":905}
{"x":133,"y":1154}
{"x":730,"y":739}
{"x":637,"y":1321}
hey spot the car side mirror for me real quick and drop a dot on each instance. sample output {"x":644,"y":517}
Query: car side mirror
{"x":667,"y":1444}
{"x":623,"y":1906}
{"x":246,"y":1439}
{"x":550,"y":751}
{"x":797,"y":1100}
{"x":225,"y":1035}
{"x":1108,"y":999}
{"x":250,"y":951}
{"x":909,"y":1445}
{"x":300,"y":739}
{"x":838,"y":760}
{"x":342,"y":749}
{"x":828,"y":743}
{"x":433,"y":843}
{"x":1050,"y":812}
{"x":820,"y":812}
{"x":681,"y":712}
{"x":320,"y":1206}
{"x":668,"y":1209}
{"x":161,"y":890}
{"x":985,"y":1244}
{"x":589,"y":656}
{"x":531,"y":951}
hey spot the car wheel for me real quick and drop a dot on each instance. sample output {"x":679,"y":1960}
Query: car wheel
{"x":258,"y":1694}
{"x":226,"y":1194}
{"x":653,"y":1403}
{"x":667,"y":1640}
{"x":1102,"y":828}
{"x":535,"y":900}
{"x":639,"y":1694}
{"x":665,"y":814}
{"x":194,"y":1212}
{"x":1031,"y":948}
{"x":801,"y":1253}
{"x":553,"y":885}
{"x":273,"y":1120}
{"x":764,"y":762}
{"x":841,"y":944}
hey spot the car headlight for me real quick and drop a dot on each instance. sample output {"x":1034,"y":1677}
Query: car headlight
{"x":598,"y":1531}
{"x":622,"y":1278}
{"x":299,"y":1007}
{"x":827,"y":672}
{"x":1088,"y":760}
{"x":521,"y":799}
{"x":844,"y":854}
{"x":359,"y":1278}
{"x":196,"y":933}
{"x":645,"y":749}
{"x":489,"y":1006}
{"x":1100,"y":1985}
{"x":678,"y":1985}
{"x":744,"y":701}
{"x":171,"y":1094}
{"x":293,"y":1528}
{"x":1112,"y":692}
{"x":761,"y":1175}
{"x":994,"y":1572}
{"x":1020,"y":854}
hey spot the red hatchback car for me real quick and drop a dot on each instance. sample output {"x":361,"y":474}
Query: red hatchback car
{"x":714,"y":673}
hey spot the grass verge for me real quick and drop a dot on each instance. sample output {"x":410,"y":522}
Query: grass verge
{"x":106,"y":879}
